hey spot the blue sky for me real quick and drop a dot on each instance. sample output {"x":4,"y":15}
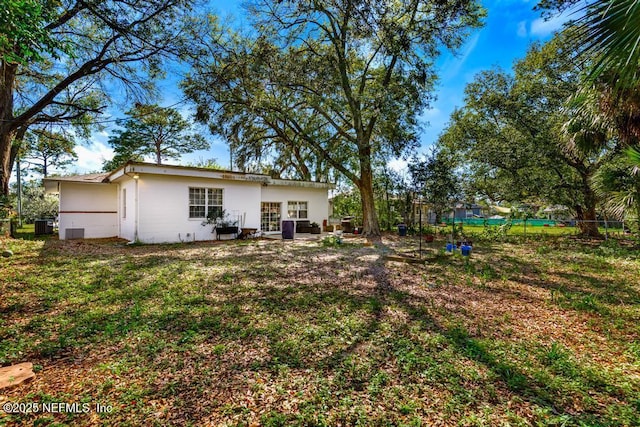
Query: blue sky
{"x":510,"y":27}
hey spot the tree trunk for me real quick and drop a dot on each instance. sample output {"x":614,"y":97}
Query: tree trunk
{"x":371,"y":227}
{"x":7,"y":126}
{"x":586,"y":215}
{"x":303,"y":170}
{"x":637,"y":203}
{"x":386,"y":192}
{"x":16,"y":146}
{"x":6,"y":139}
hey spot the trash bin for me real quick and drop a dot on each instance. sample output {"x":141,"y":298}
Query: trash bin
{"x":347,"y":224}
{"x":402,"y":229}
{"x":288,"y":229}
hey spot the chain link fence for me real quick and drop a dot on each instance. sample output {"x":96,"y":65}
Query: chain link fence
{"x":608,"y":228}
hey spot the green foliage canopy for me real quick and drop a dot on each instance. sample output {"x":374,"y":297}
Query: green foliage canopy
{"x":47,"y":150}
{"x":435,"y":180}
{"x":344,"y":80}
{"x":36,"y":204}
{"x":59,"y":59}
{"x":24,"y":33}
{"x":514,"y":132}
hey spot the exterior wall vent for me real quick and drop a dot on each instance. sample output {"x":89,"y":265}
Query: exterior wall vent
{"x":73,"y":233}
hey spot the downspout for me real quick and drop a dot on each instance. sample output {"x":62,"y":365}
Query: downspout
{"x":136,"y":210}
{"x":135,"y":202}
{"x":119,"y":198}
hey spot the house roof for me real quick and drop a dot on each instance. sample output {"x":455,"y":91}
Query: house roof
{"x":138,"y":168}
{"x":501,"y":209}
{"x":90,"y":177}
{"x":556,"y":208}
{"x":464,"y":205}
{"x":51,"y":183}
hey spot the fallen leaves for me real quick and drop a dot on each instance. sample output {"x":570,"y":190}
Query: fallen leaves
{"x":261,"y":333}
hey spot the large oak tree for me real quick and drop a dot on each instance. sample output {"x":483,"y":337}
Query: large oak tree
{"x":522,"y":139}
{"x":348,"y":78}
{"x":59,"y":57}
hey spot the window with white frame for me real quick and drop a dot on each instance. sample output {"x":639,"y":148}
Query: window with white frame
{"x":205,"y":202}
{"x":297,"y":210}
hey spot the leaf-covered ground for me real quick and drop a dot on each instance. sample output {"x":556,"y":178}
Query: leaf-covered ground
{"x":544,"y":332}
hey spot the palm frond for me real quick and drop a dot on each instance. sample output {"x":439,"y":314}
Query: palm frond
{"x":616,"y":185}
{"x":633,"y":153}
{"x":610,"y":31}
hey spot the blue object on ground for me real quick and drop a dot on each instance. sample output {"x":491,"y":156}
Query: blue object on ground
{"x":466,"y":250}
{"x":402,"y":229}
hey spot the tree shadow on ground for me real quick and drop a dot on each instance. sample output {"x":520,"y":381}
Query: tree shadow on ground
{"x":335,"y":313}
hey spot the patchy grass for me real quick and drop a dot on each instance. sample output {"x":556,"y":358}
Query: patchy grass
{"x":27,"y":232}
{"x":495,"y":231}
{"x":543,"y":332}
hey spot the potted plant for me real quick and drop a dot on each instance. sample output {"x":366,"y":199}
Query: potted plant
{"x":315,"y":228}
{"x":429,"y":235}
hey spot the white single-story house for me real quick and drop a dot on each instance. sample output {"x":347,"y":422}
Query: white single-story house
{"x":153,"y":203}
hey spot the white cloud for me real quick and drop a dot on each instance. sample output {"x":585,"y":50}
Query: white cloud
{"x":91,"y":157}
{"x":543,"y":28}
{"x":430,"y":113}
{"x":470,"y":46}
{"x":399,"y":165}
{"x":454,"y":63}
{"x":522,"y":29}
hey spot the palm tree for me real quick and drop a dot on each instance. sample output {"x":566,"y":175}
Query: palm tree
{"x":608,"y":38}
{"x":617,"y":184}
{"x":609,"y":30}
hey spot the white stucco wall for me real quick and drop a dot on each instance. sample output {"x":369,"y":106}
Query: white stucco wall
{"x":317,"y":198}
{"x":163,"y":207}
{"x":91,"y":206}
{"x":157,"y":203}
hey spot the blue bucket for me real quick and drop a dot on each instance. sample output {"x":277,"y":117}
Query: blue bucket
{"x":450,"y":247}
{"x":466,"y":250}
